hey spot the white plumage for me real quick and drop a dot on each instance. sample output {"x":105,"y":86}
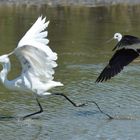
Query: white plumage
{"x":37,"y":61}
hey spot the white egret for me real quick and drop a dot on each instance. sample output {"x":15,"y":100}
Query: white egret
{"x":37,"y":62}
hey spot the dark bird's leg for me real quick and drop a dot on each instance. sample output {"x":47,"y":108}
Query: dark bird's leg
{"x":38,"y":112}
{"x":83,"y":104}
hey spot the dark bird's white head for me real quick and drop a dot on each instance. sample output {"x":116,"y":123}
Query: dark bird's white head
{"x":117,"y":36}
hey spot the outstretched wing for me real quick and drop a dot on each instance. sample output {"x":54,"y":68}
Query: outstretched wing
{"x":34,"y":54}
{"x":120,"y":59}
{"x":36,"y":61}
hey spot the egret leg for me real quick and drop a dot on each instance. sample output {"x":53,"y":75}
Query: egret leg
{"x":83,"y":104}
{"x":110,"y":117}
{"x":73,"y":103}
{"x":38,"y":112}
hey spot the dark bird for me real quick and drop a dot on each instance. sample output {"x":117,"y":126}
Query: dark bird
{"x":127,"y":49}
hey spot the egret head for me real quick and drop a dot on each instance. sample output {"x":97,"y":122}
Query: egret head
{"x":4,"y":59}
{"x":117,"y":36}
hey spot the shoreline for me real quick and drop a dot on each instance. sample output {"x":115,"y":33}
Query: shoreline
{"x":53,"y":3}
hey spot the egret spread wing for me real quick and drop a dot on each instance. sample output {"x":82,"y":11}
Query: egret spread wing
{"x":120,"y":59}
{"x":36,"y":33}
{"x":36,"y":36}
{"x":34,"y":54}
{"x":36,"y":62}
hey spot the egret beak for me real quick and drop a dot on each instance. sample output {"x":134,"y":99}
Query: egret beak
{"x":10,"y":53}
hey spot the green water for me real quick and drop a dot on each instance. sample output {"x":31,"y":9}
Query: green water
{"x":79,"y":37}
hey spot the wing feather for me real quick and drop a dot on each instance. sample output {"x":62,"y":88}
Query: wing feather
{"x":34,"y":54}
{"x":36,"y":62}
{"x":116,"y":64}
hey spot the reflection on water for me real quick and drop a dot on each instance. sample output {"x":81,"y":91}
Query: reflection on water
{"x":78,"y":35}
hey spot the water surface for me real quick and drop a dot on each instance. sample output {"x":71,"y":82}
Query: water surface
{"x":79,"y":37}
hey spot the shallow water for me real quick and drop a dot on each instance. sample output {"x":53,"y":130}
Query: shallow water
{"x":79,"y":37}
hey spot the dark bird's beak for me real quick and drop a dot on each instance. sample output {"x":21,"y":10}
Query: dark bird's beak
{"x":109,"y":40}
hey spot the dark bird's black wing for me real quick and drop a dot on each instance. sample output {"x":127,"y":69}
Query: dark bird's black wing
{"x":127,"y":40}
{"x":120,"y":59}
